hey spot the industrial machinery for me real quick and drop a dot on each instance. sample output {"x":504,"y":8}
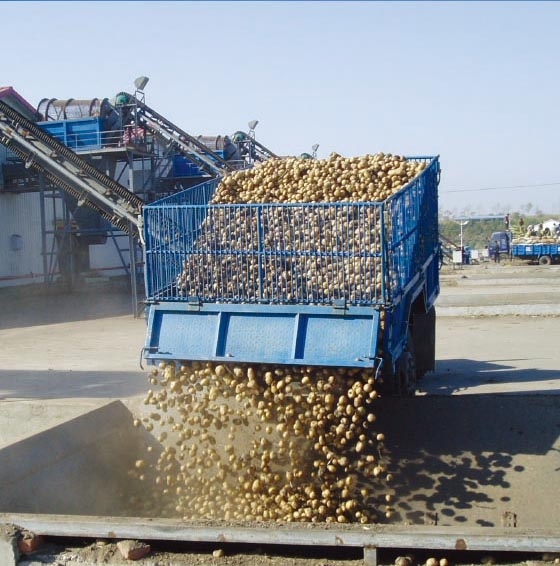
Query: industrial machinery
{"x":390,"y":329}
{"x":136,"y":113}
{"x":66,"y":169}
{"x":250,"y":148}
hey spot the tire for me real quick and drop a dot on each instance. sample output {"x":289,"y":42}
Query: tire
{"x":405,"y":374}
{"x":424,"y":336}
{"x":545,"y":260}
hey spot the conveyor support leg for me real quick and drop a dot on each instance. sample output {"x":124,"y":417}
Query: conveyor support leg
{"x":370,"y":556}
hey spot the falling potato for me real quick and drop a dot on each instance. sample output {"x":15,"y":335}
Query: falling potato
{"x":304,"y":461}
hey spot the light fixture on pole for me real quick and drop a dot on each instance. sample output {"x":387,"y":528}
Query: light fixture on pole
{"x":252,"y":125}
{"x":315,"y":147}
{"x":141,"y":82}
{"x":462,"y":224}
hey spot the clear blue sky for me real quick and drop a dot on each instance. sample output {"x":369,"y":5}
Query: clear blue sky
{"x":475,"y":82}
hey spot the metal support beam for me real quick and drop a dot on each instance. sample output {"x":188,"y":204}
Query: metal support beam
{"x":370,"y":556}
{"x":370,"y":538}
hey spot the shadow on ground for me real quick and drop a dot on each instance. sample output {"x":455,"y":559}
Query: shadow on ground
{"x":81,"y":467}
{"x":461,"y":375}
{"x":476,"y":460}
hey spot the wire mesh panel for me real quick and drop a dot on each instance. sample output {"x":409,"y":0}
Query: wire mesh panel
{"x":411,"y":217}
{"x":359,"y":253}
{"x":311,"y":254}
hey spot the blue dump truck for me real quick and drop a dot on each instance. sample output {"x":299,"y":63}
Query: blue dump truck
{"x":535,"y":251}
{"x":539,"y":252}
{"x":341,"y":284}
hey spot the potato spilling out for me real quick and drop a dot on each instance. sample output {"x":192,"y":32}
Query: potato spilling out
{"x":266,"y":444}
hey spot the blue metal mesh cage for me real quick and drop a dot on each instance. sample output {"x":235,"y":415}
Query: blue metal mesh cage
{"x":361,"y":253}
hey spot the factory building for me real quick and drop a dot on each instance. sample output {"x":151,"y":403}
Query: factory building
{"x":74,"y":175}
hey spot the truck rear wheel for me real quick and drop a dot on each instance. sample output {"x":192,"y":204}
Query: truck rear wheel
{"x":424,"y":336}
{"x":545,"y":260}
{"x":405,"y":382}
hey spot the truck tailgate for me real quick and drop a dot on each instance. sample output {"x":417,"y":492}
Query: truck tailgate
{"x":276,"y":334}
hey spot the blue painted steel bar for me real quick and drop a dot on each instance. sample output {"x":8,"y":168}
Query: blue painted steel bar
{"x":275,"y":334}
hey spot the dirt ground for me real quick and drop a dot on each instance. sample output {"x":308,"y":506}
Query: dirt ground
{"x":497,"y":334}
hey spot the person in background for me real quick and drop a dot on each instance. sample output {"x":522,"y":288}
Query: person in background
{"x":496,"y":251}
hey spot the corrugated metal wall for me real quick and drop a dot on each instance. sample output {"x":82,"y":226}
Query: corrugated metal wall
{"x":21,"y":259}
{"x":20,"y":238}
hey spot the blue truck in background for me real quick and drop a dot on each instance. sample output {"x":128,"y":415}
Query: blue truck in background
{"x":543,"y":253}
{"x":386,"y":322}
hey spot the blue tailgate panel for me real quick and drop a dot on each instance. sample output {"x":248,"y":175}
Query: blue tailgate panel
{"x":273,"y":334}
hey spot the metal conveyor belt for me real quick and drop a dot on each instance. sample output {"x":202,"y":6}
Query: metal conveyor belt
{"x":188,"y":145}
{"x":69,"y":171}
{"x":263,"y":151}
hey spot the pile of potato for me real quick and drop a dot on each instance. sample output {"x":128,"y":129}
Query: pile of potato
{"x":310,"y":255}
{"x":297,"y":253}
{"x":369,"y":178}
{"x":242,"y":443}
{"x":535,"y":240}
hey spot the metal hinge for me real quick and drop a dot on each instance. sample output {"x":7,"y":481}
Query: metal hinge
{"x":193,"y":303}
{"x":509,"y":519}
{"x":339,"y":304}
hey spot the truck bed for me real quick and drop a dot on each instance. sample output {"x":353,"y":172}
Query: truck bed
{"x":213,"y":286}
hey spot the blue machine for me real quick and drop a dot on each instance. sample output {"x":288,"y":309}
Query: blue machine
{"x":276,"y":293}
{"x":78,"y":134}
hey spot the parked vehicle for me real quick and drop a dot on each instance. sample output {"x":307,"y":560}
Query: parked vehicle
{"x":503,"y":238}
{"x":541,"y":253}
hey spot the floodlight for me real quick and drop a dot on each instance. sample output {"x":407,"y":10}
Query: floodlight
{"x":141,"y":82}
{"x":253,"y":124}
{"x":314,"y":148}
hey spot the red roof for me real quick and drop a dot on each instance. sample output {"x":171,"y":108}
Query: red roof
{"x":17,"y":102}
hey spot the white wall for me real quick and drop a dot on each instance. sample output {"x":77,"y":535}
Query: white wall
{"x":21,"y":261}
{"x":20,"y":239}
